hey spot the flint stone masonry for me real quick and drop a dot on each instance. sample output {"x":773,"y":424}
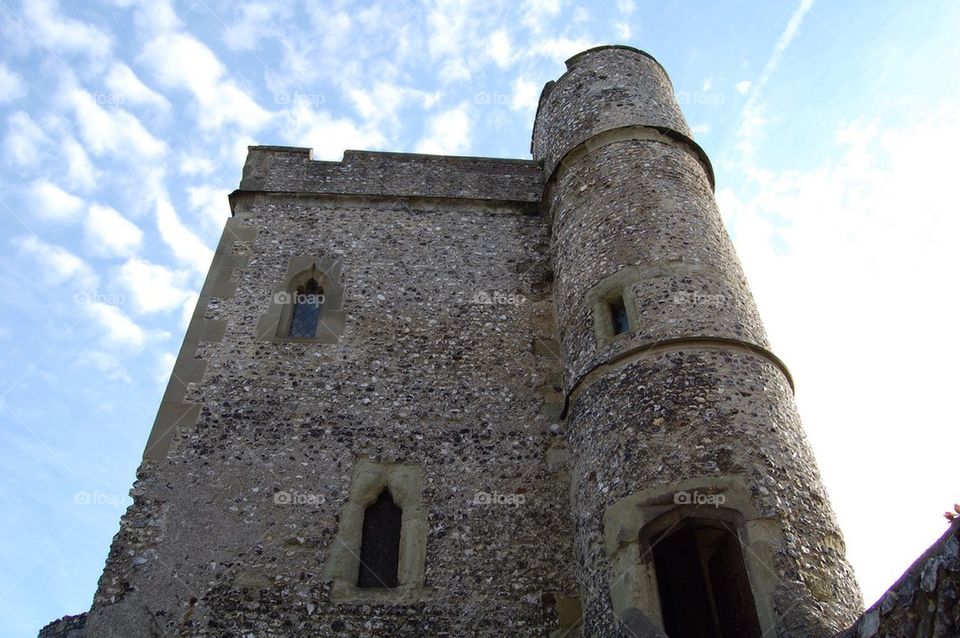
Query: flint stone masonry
{"x":291,"y":170}
{"x":66,"y":627}
{"x":462,"y":365}
{"x":924,"y":602}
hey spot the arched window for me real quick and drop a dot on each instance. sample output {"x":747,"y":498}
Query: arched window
{"x":702,"y":580}
{"x":307,"y":304}
{"x":380,"y":543}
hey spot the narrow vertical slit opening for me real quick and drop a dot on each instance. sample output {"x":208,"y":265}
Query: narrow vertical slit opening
{"x":619,"y":320}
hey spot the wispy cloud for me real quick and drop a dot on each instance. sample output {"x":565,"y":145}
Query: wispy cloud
{"x":12,"y":87}
{"x":448,"y":133}
{"x":183,"y":243}
{"x":112,"y":131}
{"x":179,"y":60}
{"x":50,"y":28}
{"x":110,"y":233}
{"x":53,"y":203}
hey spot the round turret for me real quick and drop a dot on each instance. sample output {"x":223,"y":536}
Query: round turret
{"x":681,"y":423}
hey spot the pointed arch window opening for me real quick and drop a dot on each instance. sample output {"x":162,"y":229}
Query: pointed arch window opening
{"x":380,"y":543}
{"x":307,"y":307}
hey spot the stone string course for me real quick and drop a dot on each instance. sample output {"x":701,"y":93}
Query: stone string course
{"x":470,"y":348}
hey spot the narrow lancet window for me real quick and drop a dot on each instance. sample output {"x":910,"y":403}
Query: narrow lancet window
{"x":618,"y":315}
{"x":703,"y":583}
{"x":307,"y":303}
{"x":380,"y":543}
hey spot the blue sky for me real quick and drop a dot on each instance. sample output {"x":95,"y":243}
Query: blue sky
{"x":832,"y":128}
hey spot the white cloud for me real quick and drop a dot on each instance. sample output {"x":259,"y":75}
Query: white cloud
{"x":448,"y":133}
{"x":328,"y":136}
{"x":701,"y":129}
{"x":11,"y":85}
{"x":212,"y":203}
{"x":106,"y":364}
{"x":60,"y":33}
{"x":499,"y":48}
{"x":743,"y":87}
{"x":383,"y":102}
{"x":258,"y":20}
{"x":49,"y":201}
{"x":184,"y":244}
{"x":623,"y":30}
{"x":81,"y":173}
{"x":187,"y":308}
{"x":124,"y":83}
{"x":447,"y":38}
{"x":76,"y":283}
{"x":113,"y":131}
{"x":155,"y":16}
{"x":625,"y":7}
{"x":860,"y":252}
{"x":110,"y":233}
{"x":537,"y":14}
{"x":181,"y":61}
{"x":196,"y":165}
{"x":57,"y":265}
{"x":164,"y":368}
{"x":560,"y":48}
{"x":25,"y":141}
{"x":119,"y":327}
{"x":526,"y":95}
{"x":707,"y":85}
{"x":153,"y":287}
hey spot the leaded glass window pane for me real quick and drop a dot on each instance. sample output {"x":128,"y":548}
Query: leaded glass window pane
{"x":307,"y":303}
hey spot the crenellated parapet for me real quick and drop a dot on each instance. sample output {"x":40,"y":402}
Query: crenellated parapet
{"x":281,"y":169}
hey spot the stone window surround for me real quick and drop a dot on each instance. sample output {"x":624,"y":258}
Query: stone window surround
{"x":369,"y":479}
{"x":274,"y":324}
{"x":619,"y":284}
{"x":629,"y":523}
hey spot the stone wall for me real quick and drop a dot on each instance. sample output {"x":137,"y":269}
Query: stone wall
{"x":282,"y":169}
{"x":528,"y":444}
{"x":446,"y":361}
{"x":689,"y":399}
{"x":924,"y":602}
{"x":66,"y":627}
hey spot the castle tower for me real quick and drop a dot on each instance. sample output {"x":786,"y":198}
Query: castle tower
{"x":696,"y":498}
{"x":427,"y":396}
